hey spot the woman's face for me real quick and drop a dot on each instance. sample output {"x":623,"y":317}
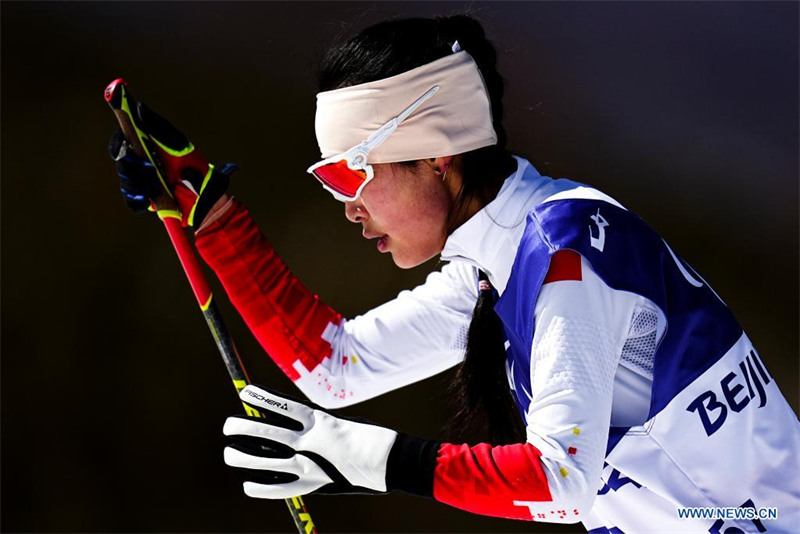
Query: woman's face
{"x":405,"y":208}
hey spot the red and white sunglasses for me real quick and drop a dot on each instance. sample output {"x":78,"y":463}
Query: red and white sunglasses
{"x":346,"y":174}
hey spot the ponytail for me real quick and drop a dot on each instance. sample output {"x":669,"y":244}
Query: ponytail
{"x":484,"y":407}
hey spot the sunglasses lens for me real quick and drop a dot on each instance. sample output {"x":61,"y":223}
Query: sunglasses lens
{"x":340,"y":178}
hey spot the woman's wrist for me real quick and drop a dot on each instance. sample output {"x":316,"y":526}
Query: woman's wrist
{"x":219,"y":208}
{"x":411,"y":465}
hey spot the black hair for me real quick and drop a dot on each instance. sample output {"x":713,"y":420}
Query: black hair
{"x":481,"y":395}
{"x":484,"y":406}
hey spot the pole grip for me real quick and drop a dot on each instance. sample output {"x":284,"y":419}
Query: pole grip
{"x":122,"y":104}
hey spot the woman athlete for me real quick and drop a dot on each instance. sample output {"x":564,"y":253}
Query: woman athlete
{"x":613,"y":385}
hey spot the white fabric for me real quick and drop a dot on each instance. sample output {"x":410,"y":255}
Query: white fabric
{"x":455,"y":120}
{"x":422,"y":332}
{"x":586,"y":334}
{"x":581,"y":329}
{"x":489,"y":239}
{"x":358,"y":451}
{"x":750,"y":461}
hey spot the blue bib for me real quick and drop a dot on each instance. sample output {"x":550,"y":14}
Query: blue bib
{"x":628,"y":256}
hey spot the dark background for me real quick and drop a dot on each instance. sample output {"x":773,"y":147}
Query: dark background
{"x":113,"y":396}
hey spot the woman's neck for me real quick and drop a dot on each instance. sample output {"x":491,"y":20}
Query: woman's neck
{"x":467,"y":204}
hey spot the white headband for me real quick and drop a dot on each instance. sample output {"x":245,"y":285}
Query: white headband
{"x":457,"y":119}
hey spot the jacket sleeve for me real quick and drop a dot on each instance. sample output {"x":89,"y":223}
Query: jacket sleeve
{"x":581,"y":325}
{"x":337,"y":362}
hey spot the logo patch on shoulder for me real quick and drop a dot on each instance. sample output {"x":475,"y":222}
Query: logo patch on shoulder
{"x":598,"y":242}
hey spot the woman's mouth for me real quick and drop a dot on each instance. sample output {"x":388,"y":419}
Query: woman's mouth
{"x":382,"y":239}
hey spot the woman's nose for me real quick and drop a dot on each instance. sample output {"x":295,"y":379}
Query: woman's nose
{"x":355,"y":212}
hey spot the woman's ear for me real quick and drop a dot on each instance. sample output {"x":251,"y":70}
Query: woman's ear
{"x":439,"y":165}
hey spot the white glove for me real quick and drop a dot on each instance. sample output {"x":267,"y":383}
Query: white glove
{"x":299,"y":448}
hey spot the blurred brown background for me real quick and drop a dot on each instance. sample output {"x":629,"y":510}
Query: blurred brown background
{"x":113,"y":395}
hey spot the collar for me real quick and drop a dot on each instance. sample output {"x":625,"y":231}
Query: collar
{"x":490,"y":238}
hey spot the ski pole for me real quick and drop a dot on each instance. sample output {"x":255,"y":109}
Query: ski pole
{"x":123,"y":104}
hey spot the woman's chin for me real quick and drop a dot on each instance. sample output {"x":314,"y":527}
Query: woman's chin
{"x":409,"y":261}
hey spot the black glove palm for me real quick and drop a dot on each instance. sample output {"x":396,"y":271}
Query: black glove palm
{"x":138,"y":178}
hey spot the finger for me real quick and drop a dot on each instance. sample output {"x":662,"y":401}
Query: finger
{"x":259,"y":428}
{"x":133,"y":165}
{"x":116,"y":144}
{"x":145,"y":183}
{"x":266,"y":477}
{"x":237,"y":458}
{"x":137,"y":206}
{"x":309,"y":476}
{"x":261,"y":447}
{"x":266,"y":400}
{"x":138,"y":188}
{"x":129,"y":187}
{"x":281,"y":491}
{"x":137,"y":202}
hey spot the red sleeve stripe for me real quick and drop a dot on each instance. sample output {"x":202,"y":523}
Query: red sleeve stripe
{"x":564,"y":265}
{"x":487,"y":480}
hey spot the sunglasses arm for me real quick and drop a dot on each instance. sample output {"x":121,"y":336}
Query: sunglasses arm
{"x":380,"y":135}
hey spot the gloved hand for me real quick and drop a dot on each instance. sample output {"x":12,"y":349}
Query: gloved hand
{"x":300,"y":448}
{"x":138,"y":178}
{"x":195,"y":184}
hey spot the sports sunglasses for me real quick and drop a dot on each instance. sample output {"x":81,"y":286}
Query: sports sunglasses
{"x":346,"y":174}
